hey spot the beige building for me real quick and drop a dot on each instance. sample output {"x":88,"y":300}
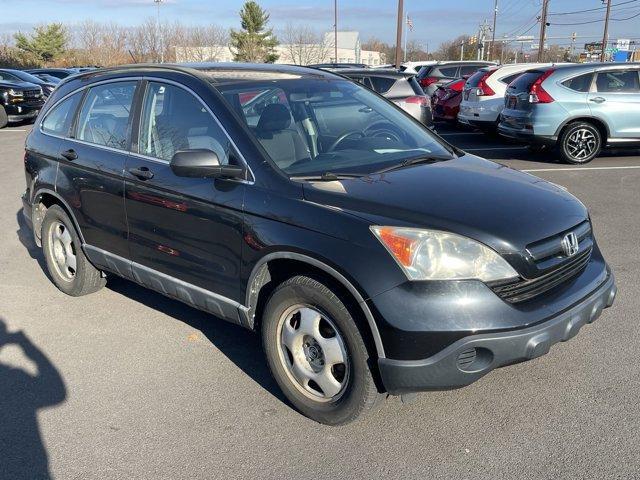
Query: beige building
{"x":349,"y":51}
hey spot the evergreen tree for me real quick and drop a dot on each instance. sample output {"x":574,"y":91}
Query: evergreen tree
{"x":46,"y":43}
{"x":254,"y":42}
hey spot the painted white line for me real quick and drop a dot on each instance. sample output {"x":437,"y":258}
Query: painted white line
{"x":579,"y":169}
{"x":493,"y":148}
{"x":13,"y":130}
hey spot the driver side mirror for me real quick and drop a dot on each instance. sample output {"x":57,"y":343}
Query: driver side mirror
{"x":200,"y":163}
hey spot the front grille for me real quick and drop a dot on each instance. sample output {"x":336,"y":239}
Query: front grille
{"x":547,"y":254}
{"x":522,"y":289}
{"x":32,"y":93}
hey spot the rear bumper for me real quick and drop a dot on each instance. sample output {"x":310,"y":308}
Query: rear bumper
{"x":525,"y":135}
{"x":472,"y":357}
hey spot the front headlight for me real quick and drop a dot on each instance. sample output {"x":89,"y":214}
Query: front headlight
{"x":435,"y":255}
{"x":16,"y":93}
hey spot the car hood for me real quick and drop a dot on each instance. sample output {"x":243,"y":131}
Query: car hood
{"x":21,"y":85}
{"x":497,"y":205}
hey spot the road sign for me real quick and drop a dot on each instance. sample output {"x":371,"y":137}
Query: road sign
{"x":525,"y":38}
{"x":623,"y":44}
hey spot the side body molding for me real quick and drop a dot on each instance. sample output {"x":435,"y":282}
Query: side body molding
{"x":260,"y":273}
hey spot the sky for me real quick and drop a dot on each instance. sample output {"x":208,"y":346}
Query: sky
{"x":434,"y":21}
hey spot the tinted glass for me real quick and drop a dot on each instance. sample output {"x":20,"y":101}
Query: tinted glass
{"x":58,"y":120}
{"x":474,"y":79}
{"x":8,"y":77}
{"x":27,"y":77}
{"x":468,"y":69}
{"x":581,"y":83}
{"x":523,"y":82}
{"x":618,"y":82}
{"x":311,"y":126}
{"x":173,"y":119}
{"x":105,"y":114}
{"x":510,"y":78}
{"x":382,"y":84}
{"x":449,"y":72}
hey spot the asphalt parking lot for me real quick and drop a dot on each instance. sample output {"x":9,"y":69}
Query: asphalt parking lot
{"x":126,"y":383}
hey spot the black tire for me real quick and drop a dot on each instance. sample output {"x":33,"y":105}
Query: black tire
{"x":358,"y":392}
{"x":581,"y":134}
{"x":78,"y":281}
{"x":4,"y":120}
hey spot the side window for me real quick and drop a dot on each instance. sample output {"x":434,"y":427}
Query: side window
{"x":382,"y":84}
{"x":173,"y":119}
{"x":451,"y":72}
{"x":621,"y":81}
{"x":581,"y":83}
{"x":468,"y":70}
{"x":58,"y":120}
{"x":104,"y":116}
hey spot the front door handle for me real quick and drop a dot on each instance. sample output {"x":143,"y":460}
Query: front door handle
{"x":598,"y":99}
{"x":70,"y":154}
{"x":143,"y":173}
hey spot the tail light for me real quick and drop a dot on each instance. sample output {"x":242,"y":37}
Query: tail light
{"x":483,"y":89}
{"x":537,"y":94}
{"x":426,"y":81}
{"x":421,"y":100}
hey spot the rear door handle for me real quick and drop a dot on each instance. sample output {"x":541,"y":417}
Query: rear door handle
{"x":598,"y":99}
{"x":70,"y":154}
{"x":143,"y":173}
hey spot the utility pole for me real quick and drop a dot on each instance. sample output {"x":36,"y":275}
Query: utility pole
{"x":543,"y":29}
{"x":483,"y":38}
{"x":605,"y":37}
{"x":462,"y":50}
{"x":335,"y":31}
{"x":399,"y":33}
{"x":492,"y":50}
{"x":158,"y":35}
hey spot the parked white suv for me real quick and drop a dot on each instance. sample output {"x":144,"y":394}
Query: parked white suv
{"x":484,"y":91}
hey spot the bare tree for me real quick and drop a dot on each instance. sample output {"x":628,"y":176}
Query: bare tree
{"x":302,"y":45}
{"x":204,"y":44}
{"x":101,"y":44}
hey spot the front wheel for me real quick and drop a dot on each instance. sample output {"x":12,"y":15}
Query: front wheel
{"x":316,"y":352}
{"x":580,"y":143}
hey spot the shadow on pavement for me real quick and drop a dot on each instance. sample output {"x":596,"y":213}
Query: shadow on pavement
{"x":22,"y":451}
{"x":25,"y":236}
{"x":239,"y":345}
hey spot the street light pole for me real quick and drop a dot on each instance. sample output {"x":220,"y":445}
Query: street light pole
{"x":399,"y":33}
{"x":335,"y":31}
{"x":543,"y":29}
{"x":158,"y":36}
{"x":492,"y":50}
{"x":605,"y":37}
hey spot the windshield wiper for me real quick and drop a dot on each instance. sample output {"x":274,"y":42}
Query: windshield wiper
{"x":328,"y":177}
{"x":415,"y":161}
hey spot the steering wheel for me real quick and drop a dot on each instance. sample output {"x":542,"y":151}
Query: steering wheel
{"x":384,"y":130}
{"x":343,"y":137}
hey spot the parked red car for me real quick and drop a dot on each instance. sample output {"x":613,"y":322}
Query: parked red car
{"x":445,"y":101}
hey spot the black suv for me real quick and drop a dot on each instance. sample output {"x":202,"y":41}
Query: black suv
{"x":19,"y":100}
{"x":370,"y":255}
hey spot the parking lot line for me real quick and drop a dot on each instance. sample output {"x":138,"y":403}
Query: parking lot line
{"x":13,"y":130}
{"x":579,"y":169}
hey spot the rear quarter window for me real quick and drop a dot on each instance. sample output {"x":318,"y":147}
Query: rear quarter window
{"x":581,"y":83}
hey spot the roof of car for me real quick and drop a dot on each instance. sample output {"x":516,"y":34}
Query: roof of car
{"x":378,"y":72}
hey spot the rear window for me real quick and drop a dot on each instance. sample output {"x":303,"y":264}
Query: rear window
{"x":382,"y":84}
{"x":474,"y":79}
{"x":468,"y":69}
{"x":523,"y":82}
{"x":510,"y":78}
{"x":581,"y":83}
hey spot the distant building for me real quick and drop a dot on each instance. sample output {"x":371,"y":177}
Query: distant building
{"x":349,"y":51}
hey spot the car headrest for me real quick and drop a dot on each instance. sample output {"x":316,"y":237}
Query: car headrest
{"x":274,"y":117}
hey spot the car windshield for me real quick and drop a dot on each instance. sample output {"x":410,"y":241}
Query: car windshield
{"x":8,"y":77}
{"x":312,"y":126}
{"x":27,"y":77}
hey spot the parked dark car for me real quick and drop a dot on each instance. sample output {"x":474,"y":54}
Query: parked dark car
{"x":19,"y":100}
{"x":446,"y":100}
{"x":400,"y":88}
{"x":263,"y":195}
{"x":60,"y":73}
{"x":338,"y":65}
{"x":21,"y":76}
{"x":430,"y":77}
{"x":47,"y":78}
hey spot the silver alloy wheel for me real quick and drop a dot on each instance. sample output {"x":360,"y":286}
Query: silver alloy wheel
{"x":313,"y":353}
{"x":581,"y":144}
{"x":62,"y":250}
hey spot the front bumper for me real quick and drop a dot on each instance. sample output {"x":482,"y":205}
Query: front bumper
{"x":21,"y":112}
{"x":470,"y":358}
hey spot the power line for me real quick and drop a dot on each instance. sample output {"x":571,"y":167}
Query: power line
{"x":592,"y":9}
{"x":599,"y":20}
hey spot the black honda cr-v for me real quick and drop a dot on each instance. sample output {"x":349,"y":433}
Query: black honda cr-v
{"x":372,"y":256}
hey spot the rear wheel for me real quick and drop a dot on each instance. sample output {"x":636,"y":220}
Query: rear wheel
{"x":68,"y":266}
{"x":580,"y":143}
{"x":316,"y":353}
{"x":4,"y":120}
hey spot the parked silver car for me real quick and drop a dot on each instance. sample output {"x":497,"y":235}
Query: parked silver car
{"x":578,"y":108}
